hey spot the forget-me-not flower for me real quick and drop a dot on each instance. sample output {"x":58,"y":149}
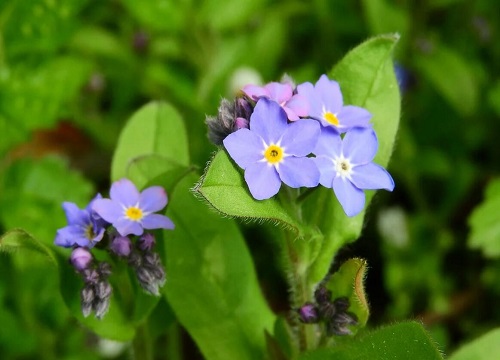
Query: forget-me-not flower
{"x":130,"y":212}
{"x":273,"y":150}
{"x":326,"y":104}
{"x":295,"y":106}
{"x":84,"y":228}
{"x":346,"y":166}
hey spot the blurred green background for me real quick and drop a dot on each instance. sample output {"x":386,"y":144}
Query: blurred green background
{"x":72,"y":72}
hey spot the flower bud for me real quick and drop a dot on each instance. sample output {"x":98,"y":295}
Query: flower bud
{"x":146,"y":242}
{"x":121,"y":246}
{"x":81,"y":258}
{"x":308,"y":313}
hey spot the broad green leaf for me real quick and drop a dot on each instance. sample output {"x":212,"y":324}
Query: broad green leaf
{"x":407,"y":340}
{"x":224,"y":187}
{"x":19,"y":240}
{"x":366,"y":77}
{"x":155,"y":129}
{"x":32,"y":192}
{"x":485,"y":222}
{"x":481,"y":348}
{"x":211,"y":281}
{"x":452,"y":76}
{"x":348,"y":281}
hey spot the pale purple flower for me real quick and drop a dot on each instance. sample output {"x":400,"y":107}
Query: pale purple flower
{"x":326,"y":104}
{"x":295,"y":106}
{"x":130,"y":212}
{"x":346,"y":166}
{"x":273,"y":150}
{"x":84,"y":228}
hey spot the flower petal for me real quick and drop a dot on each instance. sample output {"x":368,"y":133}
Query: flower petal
{"x":326,"y":169}
{"x":360,"y":145}
{"x":157,"y":221}
{"x":354,"y":116}
{"x":66,"y":236}
{"x":126,"y":227}
{"x":245,"y":147}
{"x":372,"y":177}
{"x":307,"y":91}
{"x":268,"y":120}
{"x":298,"y":172}
{"x":278,"y":92}
{"x":124,"y":192}
{"x":153,"y":199}
{"x":298,"y":105}
{"x":329,"y":143}
{"x":328,"y":91}
{"x":108,"y":209}
{"x":350,"y":197}
{"x":255,"y":92}
{"x":263,"y":181}
{"x":74,"y":215}
{"x":301,"y":137}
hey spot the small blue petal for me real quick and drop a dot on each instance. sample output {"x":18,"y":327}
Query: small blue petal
{"x":327,"y":170}
{"x":360,"y":145}
{"x":372,"y":177}
{"x":301,"y":137}
{"x":298,"y":172}
{"x":245,"y":147}
{"x":124,"y":192}
{"x":350,"y":197}
{"x":263,"y":180}
{"x":268,"y":120}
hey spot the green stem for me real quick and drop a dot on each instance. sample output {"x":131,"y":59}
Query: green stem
{"x":142,"y":345}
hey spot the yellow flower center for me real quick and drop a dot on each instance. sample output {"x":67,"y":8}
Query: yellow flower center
{"x":134,"y":213}
{"x":331,"y":118}
{"x":273,"y":154}
{"x":89,"y":232}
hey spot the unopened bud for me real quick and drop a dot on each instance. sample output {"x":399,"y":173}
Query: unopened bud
{"x":121,"y":246}
{"x":81,"y":258}
{"x":146,"y":242}
{"x":308,"y":313}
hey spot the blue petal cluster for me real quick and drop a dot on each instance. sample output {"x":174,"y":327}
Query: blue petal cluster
{"x":304,"y":137}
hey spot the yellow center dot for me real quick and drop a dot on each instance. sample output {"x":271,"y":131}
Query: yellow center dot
{"x":134,"y":213}
{"x":273,"y":154}
{"x":331,"y":118}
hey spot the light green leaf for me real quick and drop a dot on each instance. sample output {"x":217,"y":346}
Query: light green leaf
{"x":452,"y":76}
{"x":485,"y":222}
{"x":212,"y":286}
{"x":480,"y":349}
{"x":224,"y":187}
{"x":348,"y":281}
{"x":155,"y":129}
{"x":19,"y":240}
{"x":366,"y":77}
{"x":406,"y":340}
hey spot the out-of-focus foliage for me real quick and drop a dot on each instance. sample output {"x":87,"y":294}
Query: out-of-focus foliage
{"x":72,"y":72}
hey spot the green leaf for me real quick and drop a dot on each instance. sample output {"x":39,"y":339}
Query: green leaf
{"x":485,"y":222}
{"x":155,"y":129}
{"x":143,"y":169}
{"x":480,"y":349}
{"x":19,"y":240}
{"x":211,"y":282}
{"x":222,"y":177}
{"x":348,"y":281}
{"x":406,"y":340}
{"x":452,"y":76}
{"x":366,"y":77}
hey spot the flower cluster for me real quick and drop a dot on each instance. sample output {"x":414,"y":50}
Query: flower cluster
{"x":303,"y":137}
{"x":118,"y":224}
{"x":333,"y":314}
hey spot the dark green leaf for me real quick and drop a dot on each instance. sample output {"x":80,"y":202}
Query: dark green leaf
{"x":211,"y":281}
{"x":406,"y":340}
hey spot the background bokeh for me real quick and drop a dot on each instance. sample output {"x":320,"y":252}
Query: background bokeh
{"x":73,"y":71}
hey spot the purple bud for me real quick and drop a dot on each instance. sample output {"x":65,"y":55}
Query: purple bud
{"x":308,"y":313}
{"x":81,"y":258}
{"x":241,"y":123}
{"x":103,"y":290}
{"x":146,"y":242}
{"x":90,"y":276}
{"x":121,"y":246}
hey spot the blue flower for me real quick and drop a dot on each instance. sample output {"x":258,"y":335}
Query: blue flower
{"x":273,"y":150}
{"x":346,"y":166}
{"x":84,"y":228}
{"x":130,"y":212}
{"x":326,"y":105}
